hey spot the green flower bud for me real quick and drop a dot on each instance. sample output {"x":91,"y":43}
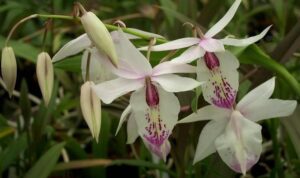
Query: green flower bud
{"x":9,"y":69}
{"x":99,"y":35}
{"x":91,"y":108}
{"x":45,"y":75}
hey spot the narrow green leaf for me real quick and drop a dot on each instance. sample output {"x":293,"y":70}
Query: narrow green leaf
{"x":46,"y":163}
{"x":254,"y":55}
{"x":12,"y":152}
{"x":171,"y":5}
{"x":72,"y":64}
{"x":292,"y":125}
{"x":182,"y":18}
{"x":25,"y":103}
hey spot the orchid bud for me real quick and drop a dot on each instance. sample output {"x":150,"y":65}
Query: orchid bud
{"x":9,"y":69}
{"x":45,"y":75}
{"x":99,"y":35}
{"x":91,"y":108}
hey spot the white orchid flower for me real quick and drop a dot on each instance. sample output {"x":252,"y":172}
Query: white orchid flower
{"x":233,"y":133}
{"x":154,"y":108}
{"x":99,"y":65}
{"x":218,"y":67}
{"x":207,"y":43}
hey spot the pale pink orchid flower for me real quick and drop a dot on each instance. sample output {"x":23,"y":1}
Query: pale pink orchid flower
{"x":153,"y":107}
{"x":234,"y":133}
{"x":99,"y":65}
{"x":218,"y":69}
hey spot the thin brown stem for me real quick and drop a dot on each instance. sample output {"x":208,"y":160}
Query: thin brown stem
{"x":168,"y":56}
{"x":151,"y":43}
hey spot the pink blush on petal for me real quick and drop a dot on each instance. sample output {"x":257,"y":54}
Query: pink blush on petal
{"x":251,"y":160}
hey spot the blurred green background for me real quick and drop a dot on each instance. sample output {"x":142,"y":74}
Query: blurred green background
{"x":54,"y":141}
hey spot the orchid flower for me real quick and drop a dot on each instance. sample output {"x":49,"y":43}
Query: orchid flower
{"x":207,"y":43}
{"x":153,"y":106}
{"x":219,"y":67}
{"x":233,"y":133}
{"x":99,"y":65}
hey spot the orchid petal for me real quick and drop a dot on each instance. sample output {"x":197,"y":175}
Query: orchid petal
{"x":209,"y":112}
{"x":246,"y":41}
{"x":258,"y":94}
{"x":221,"y":84}
{"x":212,"y":45}
{"x":189,"y":55}
{"x":206,"y":142}
{"x":240,"y":145}
{"x":155,"y":123}
{"x":72,"y":47}
{"x":175,"y":83}
{"x":170,"y":67}
{"x":127,"y":53}
{"x":110,"y":90}
{"x":266,"y":109}
{"x":98,"y":70}
{"x":132,"y":130}
{"x":172,"y":45}
{"x":223,"y":21}
{"x":123,"y":117}
{"x":122,"y":70}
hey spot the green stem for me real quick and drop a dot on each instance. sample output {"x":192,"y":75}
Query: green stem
{"x":108,"y":26}
{"x":66,"y":17}
{"x":254,"y":54}
{"x":16,"y":26}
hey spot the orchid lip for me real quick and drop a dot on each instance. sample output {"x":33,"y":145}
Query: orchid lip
{"x":225,"y":95}
{"x":157,"y":131}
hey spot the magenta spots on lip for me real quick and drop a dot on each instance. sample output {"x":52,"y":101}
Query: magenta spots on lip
{"x":224,"y":95}
{"x":211,"y":60}
{"x":156,"y":131}
{"x":152,"y":97}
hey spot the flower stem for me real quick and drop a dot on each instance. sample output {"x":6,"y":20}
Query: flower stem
{"x":108,"y":26}
{"x":16,"y":26}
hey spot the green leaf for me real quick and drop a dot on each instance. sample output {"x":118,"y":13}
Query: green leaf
{"x":12,"y":152}
{"x":171,"y":5}
{"x":254,"y":55}
{"x":72,"y":64}
{"x":43,"y":167}
{"x":292,"y":125}
{"x":25,"y":103}
{"x":182,"y":18}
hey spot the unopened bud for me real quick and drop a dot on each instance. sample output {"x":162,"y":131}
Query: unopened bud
{"x":99,"y":35}
{"x":9,"y":69}
{"x":91,"y":108}
{"x":45,"y":75}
